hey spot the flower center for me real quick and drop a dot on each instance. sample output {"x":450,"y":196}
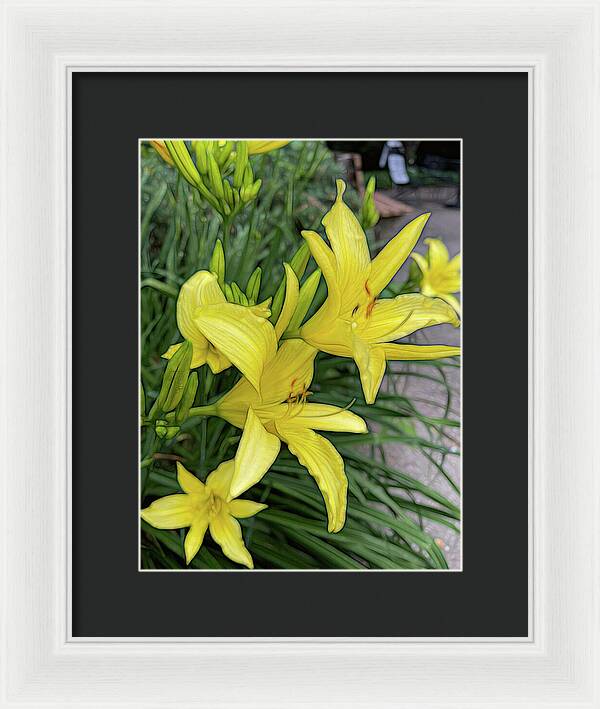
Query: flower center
{"x":214,"y":504}
{"x":361,"y":313}
{"x":298,"y":394}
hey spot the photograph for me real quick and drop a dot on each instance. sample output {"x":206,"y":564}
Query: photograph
{"x":300,"y":331}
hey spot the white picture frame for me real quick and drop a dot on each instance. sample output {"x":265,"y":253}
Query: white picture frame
{"x":556,"y":44}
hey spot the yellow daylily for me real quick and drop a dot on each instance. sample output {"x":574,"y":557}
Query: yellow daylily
{"x":280,"y":413}
{"x":256,"y":147}
{"x":274,"y":409}
{"x":440,"y":273}
{"x":203,"y":506}
{"x":241,"y":327}
{"x":353,"y":322}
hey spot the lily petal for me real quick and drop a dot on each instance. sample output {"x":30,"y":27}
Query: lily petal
{"x":323,"y":417}
{"x":324,"y":463}
{"x":421,"y":262}
{"x":256,"y":453}
{"x":349,"y":244}
{"x":219,"y":481}
{"x":419,"y":352}
{"x":292,"y":291}
{"x":452,"y":302}
{"x":289,"y":372}
{"x":325,"y":259}
{"x":227,"y":533}
{"x":370,"y":360}
{"x":194,"y":538}
{"x":328,"y":335}
{"x":455,"y":262}
{"x":200,"y":351}
{"x":188,"y":482}
{"x":201,"y":289}
{"x":263,"y":309}
{"x":438,"y":253}
{"x":389,"y":260}
{"x":233,"y":406}
{"x":245,"y":508}
{"x":170,"y":512}
{"x":246,"y":339}
{"x":393,"y":318}
{"x":216,"y":360}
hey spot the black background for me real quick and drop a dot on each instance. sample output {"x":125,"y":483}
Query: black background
{"x":110,"y":112}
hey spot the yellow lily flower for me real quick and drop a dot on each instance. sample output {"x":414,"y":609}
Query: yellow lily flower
{"x":269,"y":403}
{"x":353,"y":322}
{"x":441,"y":274}
{"x":256,"y":147}
{"x":274,"y":409}
{"x":280,"y":413}
{"x":241,"y":327}
{"x":203,"y":506}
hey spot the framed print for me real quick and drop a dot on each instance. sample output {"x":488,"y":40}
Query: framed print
{"x":368,"y":536}
{"x":299,"y":393}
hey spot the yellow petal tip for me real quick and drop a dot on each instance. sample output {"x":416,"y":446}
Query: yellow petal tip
{"x":341,"y":188}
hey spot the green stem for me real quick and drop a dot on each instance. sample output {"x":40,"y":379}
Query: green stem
{"x":208,"y":410}
{"x":227,"y":229}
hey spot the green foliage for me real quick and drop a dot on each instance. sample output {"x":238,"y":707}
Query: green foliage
{"x":388,"y":509}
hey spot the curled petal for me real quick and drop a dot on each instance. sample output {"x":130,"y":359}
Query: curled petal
{"x":324,"y":463}
{"x":246,"y":339}
{"x":201,"y":289}
{"x":393,"y":318}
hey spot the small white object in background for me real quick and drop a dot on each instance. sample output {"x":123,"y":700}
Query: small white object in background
{"x":393,"y":155}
